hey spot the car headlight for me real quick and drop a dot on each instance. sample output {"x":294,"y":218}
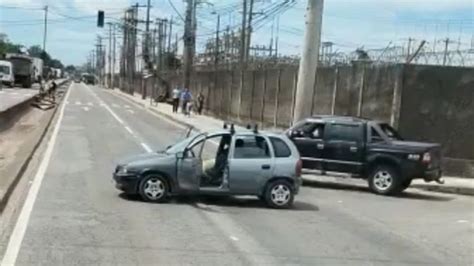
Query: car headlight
{"x":414,"y":157}
{"x":121,"y":170}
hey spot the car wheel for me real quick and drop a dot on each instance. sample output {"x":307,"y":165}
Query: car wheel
{"x":153,"y":188}
{"x":279,"y":194}
{"x":385,"y":180}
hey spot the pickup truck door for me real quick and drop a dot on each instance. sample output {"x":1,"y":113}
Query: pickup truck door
{"x":310,"y":144}
{"x":344,"y":147}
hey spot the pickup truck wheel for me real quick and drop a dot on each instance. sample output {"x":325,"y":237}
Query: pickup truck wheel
{"x":385,"y":180}
{"x":153,"y":188}
{"x":279,"y":194}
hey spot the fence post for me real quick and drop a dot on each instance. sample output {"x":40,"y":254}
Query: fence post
{"x":229,"y":114}
{"x":293,"y":98}
{"x":252,"y":93}
{"x":334,"y":91}
{"x":240,"y":93}
{"x":277,"y":103}
{"x":262,"y":111}
{"x":361,"y":92}
{"x":397,"y":96}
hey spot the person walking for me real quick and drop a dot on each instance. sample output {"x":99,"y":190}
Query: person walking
{"x":200,"y":102}
{"x":175,"y":94}
{"x":186,"y":97}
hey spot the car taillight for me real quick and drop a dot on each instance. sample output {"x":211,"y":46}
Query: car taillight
{"x":426,"y":158}
{"x":299,"y":167}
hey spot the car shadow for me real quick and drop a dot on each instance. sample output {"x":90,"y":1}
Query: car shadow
{"x":206,"y":202}
{"x":409,"y":194}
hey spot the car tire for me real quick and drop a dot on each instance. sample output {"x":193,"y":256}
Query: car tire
{"x":153,"y":188}
{"x":385,"y":180}
{"x":279,"y":194}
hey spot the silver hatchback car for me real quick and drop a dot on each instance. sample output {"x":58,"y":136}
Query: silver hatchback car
{"x":226,"y":162}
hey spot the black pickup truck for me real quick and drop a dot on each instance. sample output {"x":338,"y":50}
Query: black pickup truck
{"x":365,"y":149}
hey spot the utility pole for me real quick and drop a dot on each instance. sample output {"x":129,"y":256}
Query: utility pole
{"x":216,"y":56}
{"x":110,"y":56}
{"x":170,"y":35}
{"x":249,"y":33}
{"x":309,"y":59}
{"x":113,"y":58}
{"x":45,"y":32}
{"x":147,"y":38}
{"x":277,"y":36}
{"x":243,"y":35}
{"x":445,"y":56}
{"x":409,"y":48}
{"x":188,"y":43}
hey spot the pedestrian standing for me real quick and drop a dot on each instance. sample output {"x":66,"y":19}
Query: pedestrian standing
{"x":52,"y":91}
{"x":186,"y":97}
{"x":175,"y":94}
{"x":200,"y":100}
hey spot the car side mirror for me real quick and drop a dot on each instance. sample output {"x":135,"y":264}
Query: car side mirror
{"x":180,"y":155}
{"x":169,"y":146}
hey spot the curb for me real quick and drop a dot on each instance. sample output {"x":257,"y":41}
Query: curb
{"x":467,"y":191}
{"x":11,"y":187}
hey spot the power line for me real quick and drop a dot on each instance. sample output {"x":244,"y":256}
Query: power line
{"x":176,"y":10}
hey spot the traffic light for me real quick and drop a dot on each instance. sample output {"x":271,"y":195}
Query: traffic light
{"x":100,"y":19}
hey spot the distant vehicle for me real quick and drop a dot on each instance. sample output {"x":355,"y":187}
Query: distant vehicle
{"x":22,"y":69}
{"x":366,"y":149}
{"x":88,"y":78}
{"x":37,"y":68}
{"x":218,"y":163}
{"x":6,"y":73}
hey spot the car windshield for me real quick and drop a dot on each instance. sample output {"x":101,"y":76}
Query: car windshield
{"x":181,"y":144}
{"x":390,"y":132}
{"x":5,"y":70}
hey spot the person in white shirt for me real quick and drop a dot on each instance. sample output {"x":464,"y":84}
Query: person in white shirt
{"x":175,"y":95}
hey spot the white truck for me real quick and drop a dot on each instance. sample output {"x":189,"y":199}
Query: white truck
{"x":37,"y":68}
{"x":6,"y":73}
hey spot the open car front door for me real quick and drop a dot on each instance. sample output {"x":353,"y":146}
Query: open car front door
{"x":189,"y":165}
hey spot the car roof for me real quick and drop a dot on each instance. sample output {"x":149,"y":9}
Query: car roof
{"x":244,"y":132}
{"x":337,"y":118}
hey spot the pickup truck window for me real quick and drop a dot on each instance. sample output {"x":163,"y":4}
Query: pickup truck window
{"x":374,"y":135}
{"x":251,"y":147}
{"x":390,"y":132}
{"x":344,"y":132}
{"x":310,"y":130}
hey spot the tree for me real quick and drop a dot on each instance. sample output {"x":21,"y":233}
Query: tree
{"x":6,"y":46}
{"x":70,"y":69}
{"x":56,"y":63}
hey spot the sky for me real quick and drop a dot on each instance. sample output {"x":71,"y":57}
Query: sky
{"x":349,"y":24}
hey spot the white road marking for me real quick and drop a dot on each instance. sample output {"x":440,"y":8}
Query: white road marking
{"x":234,"y":238}
{"x":148,"y":149}
{"x":144,"y":145}
{"x":16,"y":238}
{"x":130,"y":111}
{"x":78,"y":103}
{"x":115,"y":105}
{"x":129,"y":130}
{"x":86,"y":108}
{"x":127,"y":106}
{"x":462,"y":221}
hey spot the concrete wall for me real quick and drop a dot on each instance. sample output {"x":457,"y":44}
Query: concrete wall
{"x":438,"y":105}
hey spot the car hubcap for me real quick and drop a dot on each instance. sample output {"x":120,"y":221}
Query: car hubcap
{"x":280,"y":194}
{"x":154,"y":188}
{"x":382,"y":180}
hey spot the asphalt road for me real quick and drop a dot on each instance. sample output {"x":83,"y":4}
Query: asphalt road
{"x":79,"y":218}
